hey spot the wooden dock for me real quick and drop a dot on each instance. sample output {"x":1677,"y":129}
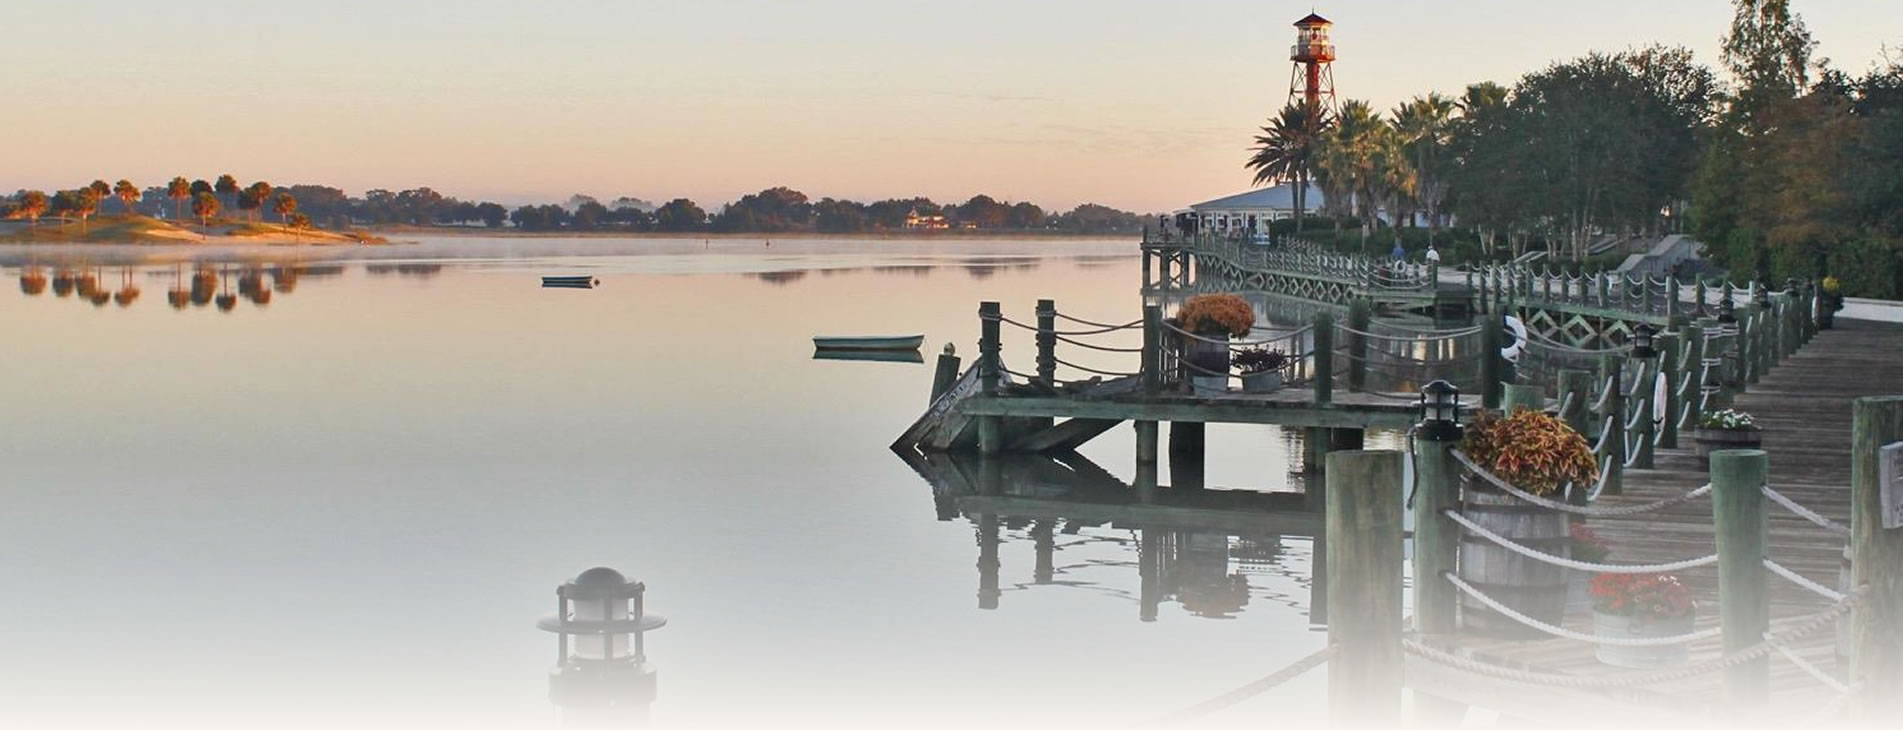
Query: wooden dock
{"x":1804,"y":406}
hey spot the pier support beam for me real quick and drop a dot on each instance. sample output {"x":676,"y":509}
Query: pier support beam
{"x":1364,"y":588}
{"x":1744,"y":601}
{"x":1146,"y":443}
{"x":1876,"y":627}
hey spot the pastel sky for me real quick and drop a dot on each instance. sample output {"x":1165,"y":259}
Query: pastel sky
{"x":1145,"y":105}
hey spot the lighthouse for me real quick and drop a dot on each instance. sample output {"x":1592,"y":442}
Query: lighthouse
{"x":1313,"y":79}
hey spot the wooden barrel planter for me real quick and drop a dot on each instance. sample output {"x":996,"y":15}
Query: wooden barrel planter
{"x":1210,"y":356}
{"x":1707,"y":440}
{"x":1533,"y":588}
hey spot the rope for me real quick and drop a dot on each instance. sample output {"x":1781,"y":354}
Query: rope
{"x":1524,"y":496}
{"x":1812,"y":670}
{"x":1088,"y":323}
{"x":1565,"y":633}
{"x":1094,"y":371}
{"x":1801,"y":511}
{"x":1605,"y":437}
{"x":1549,"y":559}
{"x":1566,"y":405}
{"x":1100,"y":348}
{"x":1801,"y":581}
{"x":1641,"y":679}
{"x":1249,"y":690}
{"x":1605,"y":394}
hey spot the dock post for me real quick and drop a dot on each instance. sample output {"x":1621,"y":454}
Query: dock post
{"x":1645,"y":407}
{"x":1152,"y":382}
{"x":1665,"y":413}
{"x":1047,"y":342}
{"x":1744,"y":601}
{"x":1528,"y":397}
{"x":1360,"y":315}
{"x":1186,"y":441}
{"x":1672,"y":307}
{"x":1695,"y":365}
{"x":1576,"y":385}
{"x":1876,"y":626}
{"x":1363,"y":526}
{"x":945,"y":376}
{"x":1615,"y":438}
{"x":1436,"y":489}
{"x":990,"y":428}
{"x":1492,"y":337}
{"x":1324,"y":358}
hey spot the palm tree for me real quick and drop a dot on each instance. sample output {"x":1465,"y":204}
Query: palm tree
{"x":179,"y":190}
{"x":205,"y":206}
{"x":1347,"y":162}
{"x":226,"y":188}
{"x":260,"y":193}
{"x":128,"y":194}
{"x":1426,"y":126}
{"x":286,"y":205}
{"x":100,"y":188}
{"x":33,"y":204}
{"x":1286,"y":151}
{"x":1395,"y":180}
{"x":86,"y":202}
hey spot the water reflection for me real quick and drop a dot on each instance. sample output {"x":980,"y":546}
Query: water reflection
{"x":602,"y":678}
{"x":1192,"y":545}
{"x":203,"y":285}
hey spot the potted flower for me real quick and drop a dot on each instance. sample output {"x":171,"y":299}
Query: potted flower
{"x":1261,"y":369}
{"x":1584,"y":544}
{"x":1831,"y":300}
{"x":1536,"y":454}
{"x":1212,"y":319}
{"x":1641,"y":606}
{"x":1726,"y":429}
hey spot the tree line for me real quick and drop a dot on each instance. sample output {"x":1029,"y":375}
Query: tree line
{"x":774,"y":210}
{"x":1783,"y":168}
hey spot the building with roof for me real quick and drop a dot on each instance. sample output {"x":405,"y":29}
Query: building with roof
{"x":1252,"y":210}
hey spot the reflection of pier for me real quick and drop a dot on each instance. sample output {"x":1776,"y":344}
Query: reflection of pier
{"x":1183,"y":531}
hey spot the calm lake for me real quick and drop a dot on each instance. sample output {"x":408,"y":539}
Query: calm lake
{"x":345,"y":501}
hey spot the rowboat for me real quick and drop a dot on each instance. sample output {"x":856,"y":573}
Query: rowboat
{"x":910,"y":356}
{"x":903,"y":342}
{"x":570,"y":282}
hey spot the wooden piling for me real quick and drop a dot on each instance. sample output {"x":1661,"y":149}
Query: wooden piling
{"x":1744,"y":599}
{"x":1576,"y":385}
{"x":1643,"y":409}
{"x":1670,"y":366}
{"x":1047,"y":342}
{"x":1152,"y":359}
{"x":1529,"y":397}
{"x":1360,"y":318}
{"x":1146,"y":442}
{"x":1436,"y":538}
{"x":990,"y":428}
{"x":944,"y":376}
{"x":1364,"y":588}
{"x":1492,"y":338}
{"x":1876,"y":626}
{"x":1324,"y":374}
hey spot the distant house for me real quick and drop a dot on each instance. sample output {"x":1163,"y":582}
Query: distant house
{"x":1252,"y":210}
{"x":934,"y":222}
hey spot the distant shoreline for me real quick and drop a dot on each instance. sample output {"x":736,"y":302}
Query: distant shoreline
{"x":973,"y":234}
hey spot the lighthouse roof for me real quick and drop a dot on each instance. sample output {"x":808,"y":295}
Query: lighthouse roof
{"x":1312,"y":20}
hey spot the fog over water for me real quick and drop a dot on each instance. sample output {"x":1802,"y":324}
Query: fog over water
{"x":345,"y":499}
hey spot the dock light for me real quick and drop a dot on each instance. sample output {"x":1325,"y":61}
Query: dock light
{"x":1727,"y":312}
{"x":1440,"y":412}
{"x":1762,"y":297}
{"x":600,"y":675}
{"x":1644,"y":340}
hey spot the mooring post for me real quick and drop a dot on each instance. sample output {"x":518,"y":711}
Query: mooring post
{"x":1876,"y":626}
{"x":945,"y":375}
{"x":1047,"y":342}
{"x":1324,"y":375}
{"x":1575,"y":397}
{"x":1364,"y":588}
{"x":1672,"y":307}
{"x":1436,"y":489}
{"x":1152,"y":358}
{"x":1695,"y":365}
{"x":1645,"y":407}
{"x":1528,"y":397}
{"x":1744,"y":601}
{"x":1670,"y":367}
{"x":1613,"y":418}
{"x":990,"y":428}
{"x":1360,"y":317}
{"x":1492,"y":338}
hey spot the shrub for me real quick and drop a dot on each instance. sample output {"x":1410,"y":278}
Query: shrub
{"x":1642,"y":595}
{"x":1728,"y":420}
{"x":1259,"y":360}
{"x":1531,"y":450}
{"x":1210,"y":314}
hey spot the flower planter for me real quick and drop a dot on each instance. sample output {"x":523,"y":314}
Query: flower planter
{"x":1530,"y":587}
{"x":1634,"y":627}
{"x":1267,"y":381}
{"x":1208,"y":385}
{"x":1578,"y":592}
{"x":1707,"y":440}
{"x":1208,"y":366}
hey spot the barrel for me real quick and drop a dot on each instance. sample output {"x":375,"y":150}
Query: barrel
{"x":1530,"y":587}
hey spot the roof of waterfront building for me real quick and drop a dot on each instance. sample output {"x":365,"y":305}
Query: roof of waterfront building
{"x":1279,"y":197}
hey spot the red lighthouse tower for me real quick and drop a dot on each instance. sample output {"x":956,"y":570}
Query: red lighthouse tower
{"x":1313,"y":79}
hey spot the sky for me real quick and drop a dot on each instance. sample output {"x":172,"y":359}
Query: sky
{"x":1139,"y":104}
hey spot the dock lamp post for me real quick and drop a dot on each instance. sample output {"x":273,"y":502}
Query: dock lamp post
{"x":1727,"y":312}
{"x":1440,"y":412}
{"x":601,"y":674}
{"x":1762,"y":297}
{"x":1645,"y":341}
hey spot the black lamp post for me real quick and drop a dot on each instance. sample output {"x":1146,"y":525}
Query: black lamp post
{"x":1727,"y":312}
{"x":1644,"y":340}
{"x":602,"y":676}
{"x":1440,"y":412}
{"x":1762,"y":297}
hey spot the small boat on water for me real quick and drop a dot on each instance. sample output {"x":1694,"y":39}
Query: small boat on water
{"x":570,"y":282}
{"x":909,"y":356}
{"x":901,"y":342}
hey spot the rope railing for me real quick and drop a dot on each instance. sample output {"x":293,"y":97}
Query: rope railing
{"x":1801,"y":511}
{"x":1088,"y":323}
{"x":1467,"y":463}
{"x":1100,"y":348}
{"x":1252,"y":689}
{"x":1564,"y":562}
{"x":1565,"y":633}
{"x":1093,"y":371}
{"x":1801,"y":581}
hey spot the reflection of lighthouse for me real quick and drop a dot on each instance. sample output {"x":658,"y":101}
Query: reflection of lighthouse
{"x":599,"y":679}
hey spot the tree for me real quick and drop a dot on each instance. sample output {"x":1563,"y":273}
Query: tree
{"x":590,"y":214}
{"x":260,"y":193}
{"x":839,"y":216}
{"x":226,"y":188}
{"x":128,"y":194}
{"x":33,"y":204}
{"x":249,"y":201}
{"x":1026,"y":216}
{"x":286,"y":205}
{"x":200,"y":186}
{"x":772,"y":210}
{"x":679,"y":215}
{"x":1425,"y":124}
{"x":179,"y":190}
{"x":1286,"y":151}
{"x":492,"y":215}
{"x":100,"y":189}
{"x":86,"y":202}
{"x":984,"y":212}
{"x":205,"y":205}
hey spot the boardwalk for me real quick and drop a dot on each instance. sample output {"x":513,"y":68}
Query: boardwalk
{"x":1804,"y":406}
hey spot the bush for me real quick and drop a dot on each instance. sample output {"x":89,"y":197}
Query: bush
{"x":1643,"y":595}
{"x":1259,"y":360}
{"x":1531,"y":450}
{"x":1210,"y":314}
